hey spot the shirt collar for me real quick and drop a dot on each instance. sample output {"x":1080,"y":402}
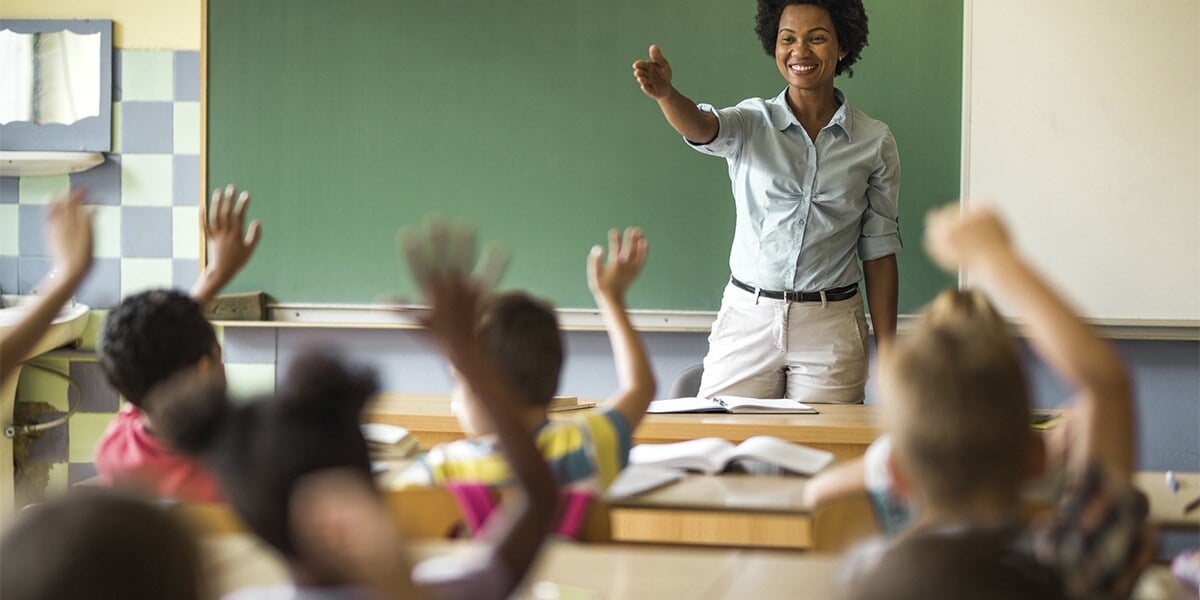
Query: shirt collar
{"x":782,"y":116}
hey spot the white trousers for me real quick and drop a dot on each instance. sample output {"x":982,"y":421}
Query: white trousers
{"x":765,"y":348}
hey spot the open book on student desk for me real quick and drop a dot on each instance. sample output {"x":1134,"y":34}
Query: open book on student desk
{"x":731,"y":404}
{"x":714,"y":455}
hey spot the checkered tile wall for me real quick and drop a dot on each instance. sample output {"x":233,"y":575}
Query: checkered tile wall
{"x":146,"y":201}
{"x":146,"y":193}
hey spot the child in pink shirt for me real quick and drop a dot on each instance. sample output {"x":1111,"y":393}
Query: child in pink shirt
{"x":151,"y":336}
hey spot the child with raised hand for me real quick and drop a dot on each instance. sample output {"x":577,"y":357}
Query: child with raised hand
{"x":151,"y":336}
{"x":69,"y":243}
{"x":296,"y":470}
{"x":956,"y":405}
{"x":520,"y":335}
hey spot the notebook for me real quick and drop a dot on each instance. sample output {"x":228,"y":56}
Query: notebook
{"x":714,"y":455}
{"x":388,"y":442}
{"x":732,"y":405}
{"x":639,"y":479}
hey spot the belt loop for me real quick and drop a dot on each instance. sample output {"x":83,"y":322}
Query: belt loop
{"x":757,"y":293}
{"x":822,"y":298}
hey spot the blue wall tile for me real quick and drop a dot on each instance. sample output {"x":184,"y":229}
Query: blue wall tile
{"x":8,"y":274}
{"x":102,"y":287}
{"x":187,"y":75}
{"x":10,"y":190}
{"x":183,"y":273}
{"x":31,"y":224}
{"x":30,"y":270}
{"x":98,"y":395}
{"x":186,"y":184}
{"x":243,"y":345}
{"x":103,"y":182}
{"x":77,"y":472}
{"x":145,"y":232}
{"x":147,"y":127}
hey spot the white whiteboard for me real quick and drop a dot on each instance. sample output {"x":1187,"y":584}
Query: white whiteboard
{"x":1081,"y":124}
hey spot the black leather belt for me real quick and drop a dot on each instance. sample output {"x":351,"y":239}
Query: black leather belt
{"x":832,"y":295}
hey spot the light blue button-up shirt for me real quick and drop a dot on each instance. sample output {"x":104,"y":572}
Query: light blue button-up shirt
{"x":807,"y":212}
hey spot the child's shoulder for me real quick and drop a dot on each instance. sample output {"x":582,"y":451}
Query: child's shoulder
{"x":967,"y":560}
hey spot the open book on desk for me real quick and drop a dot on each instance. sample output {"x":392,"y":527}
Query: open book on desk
{"x":732,"y":405}
{"x":714,"y":455}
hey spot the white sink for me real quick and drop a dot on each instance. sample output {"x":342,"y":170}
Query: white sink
{"x":66,"y":327}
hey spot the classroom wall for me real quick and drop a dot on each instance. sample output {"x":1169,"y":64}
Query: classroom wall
{"x":146,"y":198}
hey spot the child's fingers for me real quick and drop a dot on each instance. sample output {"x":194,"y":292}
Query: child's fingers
{"x":253,"y":235}
{"x":239,"y":211}
{"x":414,"y":255}
{"x":209,"y":212}
{"x":614,"y":245}
{"x":462,"y":249}
{"x":491,"y":267}
{"x":227,"y":205}
{"x":595,"y":255}
{"x":438,"y":236}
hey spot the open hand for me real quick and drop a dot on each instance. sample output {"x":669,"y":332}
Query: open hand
{"x":69,"y":239}
{"x":626,"y":257}
{"x":954,"y":239}
{"x":654,"y":75}
{"x":229,"y":249}
{"x":443,"y":262}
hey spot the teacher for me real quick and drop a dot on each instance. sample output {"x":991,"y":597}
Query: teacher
{"x":815,"y":185}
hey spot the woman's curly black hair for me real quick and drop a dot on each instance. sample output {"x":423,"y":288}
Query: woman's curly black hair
{"x":849,"y":18}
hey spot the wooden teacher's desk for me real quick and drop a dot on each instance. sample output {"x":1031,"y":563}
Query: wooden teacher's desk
{"x":844,"y":430}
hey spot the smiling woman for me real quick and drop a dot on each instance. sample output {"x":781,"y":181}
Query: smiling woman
{"x":815,"y":186}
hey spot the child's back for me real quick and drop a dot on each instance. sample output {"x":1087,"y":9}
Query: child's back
{"x":957,"y":408}
{"x":149,"y":338}
{"x":521,"y":336}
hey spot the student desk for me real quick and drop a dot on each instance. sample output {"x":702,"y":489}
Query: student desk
{"x":1166,"y":507}
{"x":573,"y":570}
{"x":844,"y":430}
{"x":739,"y":510}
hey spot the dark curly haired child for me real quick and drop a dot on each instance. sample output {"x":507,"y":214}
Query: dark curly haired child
{"x":151,"y":336}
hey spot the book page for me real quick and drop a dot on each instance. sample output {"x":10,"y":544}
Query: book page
{"x":639,"y":479}
{"x":789,"y":456}
{"x":706,"y":455}
{"x":684,"y":405}
{"x":737,"y":404}
{"x":382,"y":433}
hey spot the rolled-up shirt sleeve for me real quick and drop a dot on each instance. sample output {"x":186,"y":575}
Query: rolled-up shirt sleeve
{"x":880,"y":232}
{"x":730,"y":131}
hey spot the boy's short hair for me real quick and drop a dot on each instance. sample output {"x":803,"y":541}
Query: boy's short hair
{"x":957,"y":402}
{"x":151,"y":336}
{"x":259,"y":450}
{"x":520,"y":336}
{"x":99,"y":545}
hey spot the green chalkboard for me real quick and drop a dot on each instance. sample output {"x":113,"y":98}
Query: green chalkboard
{"x":350,"y":119}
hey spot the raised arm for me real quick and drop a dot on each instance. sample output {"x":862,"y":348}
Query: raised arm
{"x":229,"y":249}
{"x":1103,"y":414}
{"x":69,"y":241}
{"x":441,"y":259}
{"x":654,"y":78}
{"x":609,"y":281}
